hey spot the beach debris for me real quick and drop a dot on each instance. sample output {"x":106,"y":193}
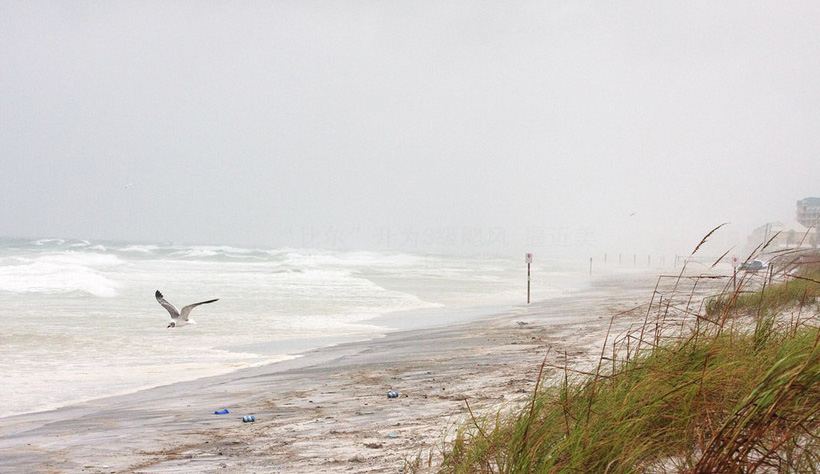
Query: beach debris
{"x":223,"y":411}
{"x":392,"y":394}
{"x":391,"y":435}
{"x":248,"y":419}
{"x":179,"y":318}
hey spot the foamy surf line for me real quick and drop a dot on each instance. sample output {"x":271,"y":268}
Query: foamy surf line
{"x":82,"y":322}
{"x":314,"y":401}
{"x":286,"y":353}
{"x":282,"y":350}
{"x":200,"y":373}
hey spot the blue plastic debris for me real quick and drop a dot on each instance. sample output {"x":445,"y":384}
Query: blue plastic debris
{"x":223,"y":411}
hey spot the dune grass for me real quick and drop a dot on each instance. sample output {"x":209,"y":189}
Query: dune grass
{"x":735,"y":389}
{"x":803,"y":286}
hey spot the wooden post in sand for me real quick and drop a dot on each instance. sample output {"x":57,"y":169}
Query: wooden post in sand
{"x":734,"y":272}
{"x":528,"y":259}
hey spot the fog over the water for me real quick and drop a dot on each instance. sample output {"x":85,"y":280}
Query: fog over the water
{"x":559,"y":127}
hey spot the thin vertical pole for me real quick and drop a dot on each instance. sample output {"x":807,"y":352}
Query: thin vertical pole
{"x":528,"y":283}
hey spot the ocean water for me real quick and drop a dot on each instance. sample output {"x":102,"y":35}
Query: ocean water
{"x":80,"y":320}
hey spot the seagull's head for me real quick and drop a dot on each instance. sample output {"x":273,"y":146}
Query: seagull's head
{"x":171,"y":325}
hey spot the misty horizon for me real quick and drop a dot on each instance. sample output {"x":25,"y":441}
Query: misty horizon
{"x":559,"y":128}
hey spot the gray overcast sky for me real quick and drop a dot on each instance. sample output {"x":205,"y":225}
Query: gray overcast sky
{"x":565,"y":126}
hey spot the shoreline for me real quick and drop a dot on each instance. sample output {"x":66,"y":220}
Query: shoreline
{"x":278,"y":350}
{"x":326,"y":410}
{"x":282,"y":350}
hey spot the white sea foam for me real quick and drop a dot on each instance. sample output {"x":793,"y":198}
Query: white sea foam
{"x":59,"y":273}
{"x":142,"y":249}
{"x":81,"y":321}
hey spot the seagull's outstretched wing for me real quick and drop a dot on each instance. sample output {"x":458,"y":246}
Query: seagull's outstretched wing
{"x":171,"y":308}
{"x":187,"y":309}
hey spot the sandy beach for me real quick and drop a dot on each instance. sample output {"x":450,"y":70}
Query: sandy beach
{"x":328,"y":410}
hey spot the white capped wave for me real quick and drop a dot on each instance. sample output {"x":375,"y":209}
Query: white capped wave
{"x":141,"y":249}
{"x":43,"y":277}
{"x":42,"y":242}
{"x":266,"y":297}
{"x":63,"y":272}
{"x":218,"y":252}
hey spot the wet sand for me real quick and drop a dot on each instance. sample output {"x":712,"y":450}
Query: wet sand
{"x":328,"y":411}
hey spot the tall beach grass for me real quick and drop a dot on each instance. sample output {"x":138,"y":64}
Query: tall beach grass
{"x":727,"y":383}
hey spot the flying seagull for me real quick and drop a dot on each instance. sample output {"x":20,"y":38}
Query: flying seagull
{"x":179,"y":318}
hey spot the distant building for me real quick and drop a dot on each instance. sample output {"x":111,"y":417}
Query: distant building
{"x":780,"y":236}
{"x":808,"y":211}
